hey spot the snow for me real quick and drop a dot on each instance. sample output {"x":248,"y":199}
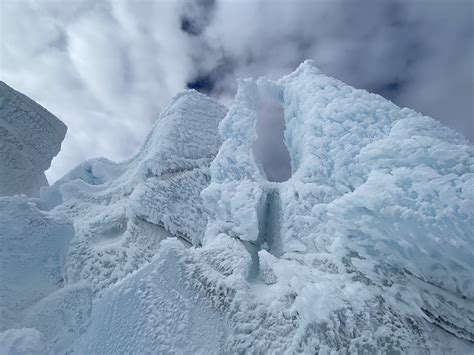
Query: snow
{"x":33,"y":246}
{"x":155,"y":311}
{"x":21,"y":341}
{"x":236,"y":198}
{"x":62,"y":316}
{"x":30,"y":137}
{"x":188,"y":248}
{"x":121,"y":211}
{"x":33,"y":249}
{"x":390,"y":192}
{"x":376,"y":219}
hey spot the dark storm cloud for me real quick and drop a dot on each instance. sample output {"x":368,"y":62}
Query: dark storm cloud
{"x":108,"y":67}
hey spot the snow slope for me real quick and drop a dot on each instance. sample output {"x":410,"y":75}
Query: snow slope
{"x":155,"y":311}
{"x":33,"y":246}
{"x":38,"y":312}
{"x":187,"y":248}
{"x":30,"y":137}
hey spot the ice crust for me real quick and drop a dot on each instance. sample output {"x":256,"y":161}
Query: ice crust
{"x":30,"y":137}
{"x":187,"y":248}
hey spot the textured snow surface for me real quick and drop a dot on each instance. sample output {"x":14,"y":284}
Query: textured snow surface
{"x":33,"y":246}
{"x":154,"y":311}
{"x":187,"y":248}
{"x":121,"y":211}
{"x":371,"y":238}
{"x":30,"y":137}
{"x":236,"y":196}
{"x":22,"y":341}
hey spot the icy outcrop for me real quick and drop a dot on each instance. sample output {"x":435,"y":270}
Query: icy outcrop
{"x":121,"y":211}
{"x":390,"y":196}
{"x":371,"y":236}
{"x":186,"y":247}
{"x":236,"y":198}
{"x":30,"y":137}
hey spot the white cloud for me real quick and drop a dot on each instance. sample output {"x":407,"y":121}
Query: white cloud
{"x":105,"y":68}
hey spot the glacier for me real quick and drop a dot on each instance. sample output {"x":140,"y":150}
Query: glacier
{"x":188,"y":248}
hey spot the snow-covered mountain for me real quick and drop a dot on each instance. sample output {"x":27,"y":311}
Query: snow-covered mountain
{"x":188,"y":248}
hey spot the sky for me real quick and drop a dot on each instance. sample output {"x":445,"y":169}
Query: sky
{"x":108,"y":67}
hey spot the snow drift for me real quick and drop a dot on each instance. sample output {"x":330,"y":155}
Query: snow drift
{"x":188,"y":248}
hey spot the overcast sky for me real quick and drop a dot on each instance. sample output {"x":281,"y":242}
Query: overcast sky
{"x":107,"y":68}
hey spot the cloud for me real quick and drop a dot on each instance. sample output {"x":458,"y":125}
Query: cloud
{"x":107,"y":68}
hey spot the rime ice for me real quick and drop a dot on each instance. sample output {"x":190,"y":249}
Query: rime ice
{"x":187,"y":247}
{"x":30,"y":137}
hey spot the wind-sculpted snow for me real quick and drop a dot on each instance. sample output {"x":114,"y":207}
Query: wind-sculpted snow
{"x":235,"y":198}
{"x":155,"y":311}
{"x":371,"y":236}
{"x":115,"y":215}
{"x":33,"y":246}
{"x":22,"y":341}
{"x":121,"y":211}
{"x":38,"y":313}
{"x":30,"y":137}
{"x":393,"y":200}
{"x":367,"y":248}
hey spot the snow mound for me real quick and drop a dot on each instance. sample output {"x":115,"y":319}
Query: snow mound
{"x":30,"y":137}
{"x":121,"y":211}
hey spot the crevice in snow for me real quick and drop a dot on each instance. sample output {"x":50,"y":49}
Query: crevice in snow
{"x":271,"y":223}
{"x":269,"y":229}
{"x":253,"y":248}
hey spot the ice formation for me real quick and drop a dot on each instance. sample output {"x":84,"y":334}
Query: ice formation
{"x":188,"y":248}
{"x":121,"y":211}
{"x":30,"y":137}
